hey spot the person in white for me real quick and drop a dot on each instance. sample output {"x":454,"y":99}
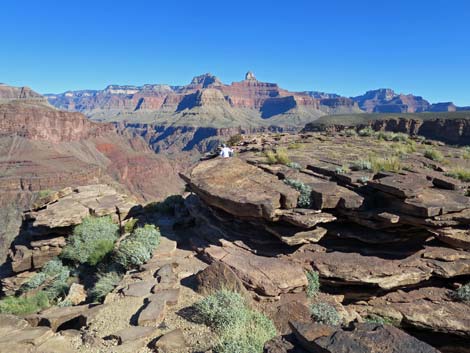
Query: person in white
{"x":226,"y":152}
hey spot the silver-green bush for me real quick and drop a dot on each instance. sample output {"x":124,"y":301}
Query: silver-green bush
{"x":54,"y":275}
{"x":240,"y":329}
{"x":137,"y":248}
{"x":313,"y":286}
{"x":305,"y":199}
{"x":361,"y":165}
{"x":106,"y":283}
{"x":324,"y":313}
{"x":463,"y":293}
{"x":91,"y":241}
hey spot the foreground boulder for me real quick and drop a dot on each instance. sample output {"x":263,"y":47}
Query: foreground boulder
{"x":268,"y":276}
{"x":363,"y":338}
{"x":240,"y":189}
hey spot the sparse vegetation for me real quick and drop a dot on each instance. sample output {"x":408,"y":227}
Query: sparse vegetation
{"x":313,"y":286}
{"x":294,"y":165}
{"x":361,"y":165}
{"x":53,"y":276}
{"x":324,"y":313}
{"x":385,"y":164}
{"x":91,"y":241}
{"x":239,"y":328}
{"x":366,"y":132}
{"x":466,"y":152}
{"x":294,"y":146}
{"x":105,"y":283}
{"x":463,"y":293}
{"x":44,"y":193}
{"x":350,"y":132}
{"x":130,"y":225}
{"x":462,"y":174}
{"x":138,"y":247}
{"x":344,"y":169}
{"x":434,"y":155}
{"x":25,"y":304}
{"x":376,"y":319}
{"x":280,"y":156}
{"x":305,"y":199}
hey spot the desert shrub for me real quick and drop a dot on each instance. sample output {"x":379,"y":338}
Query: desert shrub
{"x":466,"y":152}
{"x":305,"y":198}
{"x":313,"y":286}
{"x":344,"y":169}
{"x":44,"y":193}
{"x":294,"y":165}
{"x":91,"y":241}
{"x":294,"y":146}
{"x":54,"y":275}
{"x":137,"y":248}
{"x":239,"y":329}
{"x":280,"y":156}
{"x":463,"y":293}
{"x":376,"y":319}
{"x":106,"y":283}
{"x":460,"y":173}
{"x":324,"y":313}
{"x":400,"y":136}
{"x":235,"y":140}
{"x":385,"y":164}
{"x":166,"y":206}
{"x":433,"y":154}
{"x":25,"y":304}
{"x":384,"y":135}
{"x":361,"y":165}
{"x":130,"y":225}
{"x":350,"y":132}
{"x":366,"y":132}
{"x":364,"y":179}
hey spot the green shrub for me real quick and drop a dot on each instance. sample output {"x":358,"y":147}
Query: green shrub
{"x":305,"y":198}
{"x":294,"y":165}
{"x":350,"y":132}
{"x":366,"y":132}
{"x":376,"y":319}
{"x":137,"y":248}
{"x":91,"y":241}
{"x":433,"y":154}
{"x":106,"y":283}
{"x":385,"y":164}
{"x":313,"y":286}
{"x":400,"y":136}
{"x":460,"y":173}
{"x":361,"y":165}
{"x":239,"y":329}
{"x":25,"y":304}
{"x":130,"y":225}
{"x":280,"y":156}
{"x":294,"y":146}
{"x":44,"y":193}
{"x":466,"y":152}
{"x":54,"y":275}
{"x":463,"y":293}
{"x":324,"y":313}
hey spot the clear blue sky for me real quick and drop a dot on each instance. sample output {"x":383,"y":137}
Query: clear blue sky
{"x":346,"y":47}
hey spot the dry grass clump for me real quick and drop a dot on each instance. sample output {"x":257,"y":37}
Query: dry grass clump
{"x":385,"y":164}
{"x":434,"y":155}
{"x":462,"y":174}
{"x":280,"y":156}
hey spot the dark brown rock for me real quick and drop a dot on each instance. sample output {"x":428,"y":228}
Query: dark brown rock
{"x":363,"y":338}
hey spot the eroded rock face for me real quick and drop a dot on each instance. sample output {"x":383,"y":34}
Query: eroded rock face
{"x":429,"y":308}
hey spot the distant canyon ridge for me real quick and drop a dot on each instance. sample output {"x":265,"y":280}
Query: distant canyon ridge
{"x":206,"y":101}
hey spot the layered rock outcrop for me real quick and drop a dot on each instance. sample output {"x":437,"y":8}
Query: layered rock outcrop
{"x":391,"y":244}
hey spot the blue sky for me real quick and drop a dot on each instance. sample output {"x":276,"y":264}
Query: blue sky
{"x":346,"y":47}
